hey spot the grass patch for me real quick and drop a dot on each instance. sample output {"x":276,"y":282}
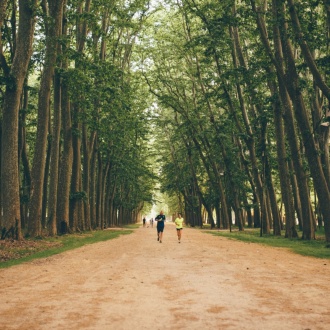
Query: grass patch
{"x":132,"y":226}
{"x":315,"y":248}
{"x":16,"y":252}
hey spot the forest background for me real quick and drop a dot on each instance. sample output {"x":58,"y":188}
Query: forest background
{"x":222,"y":106}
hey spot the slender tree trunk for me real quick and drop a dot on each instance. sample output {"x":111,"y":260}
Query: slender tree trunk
{"x":283,"y":169}
{"x":277,"y":60}
{"x":256,"y":213}
{"x":104,"y":193}
{"x":54,"y":173}
{"x":63,"y":195}
{"x":44,"y":208}
{"x":38,"y":168}
{"x":4,"y":66}
{"x":273,"y":201}
{"x":88,"y":150}
{"x":218,"y":213}
{"x":249,"y":141}
{"x":26,"y":176}
{"x":112,"y":210}
{"x":76,"y":201}
{"x":56,"y":130}
{"x":107,"y":207}
{"x":311,"y":150}
{"x":239,"y":60}
{"x":99,"y":192}
{"x":214,"y":175}
{"x":65,"y":164}
{"x":92,"y":195}
{"x":296,"y":196}
{"x":322,"y":133}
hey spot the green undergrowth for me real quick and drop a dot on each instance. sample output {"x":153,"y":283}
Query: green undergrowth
{"x":16,"y":252}
{"x":317,"y":248}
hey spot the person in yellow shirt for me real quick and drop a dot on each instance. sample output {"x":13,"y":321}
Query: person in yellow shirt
{"x":179,"y":226}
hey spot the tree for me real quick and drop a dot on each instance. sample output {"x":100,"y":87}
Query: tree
{"x":53,"y":22}
{"x":9,"y":156}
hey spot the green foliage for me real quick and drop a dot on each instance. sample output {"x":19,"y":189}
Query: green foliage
{"x":159,"y":87}
{"x":78,"y":196}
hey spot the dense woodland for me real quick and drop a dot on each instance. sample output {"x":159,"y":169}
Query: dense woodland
{"x":221,"y":105}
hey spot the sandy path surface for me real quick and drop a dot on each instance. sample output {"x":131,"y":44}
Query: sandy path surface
{"x":134,"y":282}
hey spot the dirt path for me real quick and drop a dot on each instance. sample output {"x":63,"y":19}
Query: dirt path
{"x":134,"y":282}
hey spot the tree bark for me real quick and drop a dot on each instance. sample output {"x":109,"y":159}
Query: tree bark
{"x":24,"y":160}
{"x":53,"y":29}
{"x":76,"y":201}
{"x":44,"y":208}
{"x":88,"y":150}
{"x":277,"y":60}
{"x":311,"y":150}
{"x":9,"y":164}
{"x":283,"y":168}
{"x":55,"y":157}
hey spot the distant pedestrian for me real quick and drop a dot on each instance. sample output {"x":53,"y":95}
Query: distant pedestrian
{"x":160,"y":225}
{"x":152,"y":222}
{"x":144,"y":222}
{"x":179,"y":226}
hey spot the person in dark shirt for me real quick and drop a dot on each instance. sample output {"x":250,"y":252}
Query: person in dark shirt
{"x":160,"y":225}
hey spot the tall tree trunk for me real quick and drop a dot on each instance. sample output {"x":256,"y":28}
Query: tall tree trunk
{"x":76,"y":203}
{"x":311,"y":150}
{"x":283,"y":168}
{"x":76,"y":200}
{"x":296,"y":195}
{"x":54,"y":176}
{"x":239,"y":61}
{"x":26,"y":175}
{"x":88,"y":150}
{"x":5,"y":68}
{"x":65,"y":164}
{"x":38,"y":169}
{"x":322,"y":131}
{"x":92,"y":196}
{"x":56,"y":130}
{"x":112,"y":191}
{"x":104,"y":193}
{"x":9,"y":163}
{"x":99,"y":191}
{"x":214,"y":175}
{"x":273,"y":201}
{"x":63,"y":195}
{"x":277,"y":60}
{"x":44,"y":207}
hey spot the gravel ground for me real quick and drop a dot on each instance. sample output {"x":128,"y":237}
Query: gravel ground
{"x":135,"y":282}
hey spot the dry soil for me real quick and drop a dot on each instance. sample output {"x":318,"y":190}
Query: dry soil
{"x":135,"y":282}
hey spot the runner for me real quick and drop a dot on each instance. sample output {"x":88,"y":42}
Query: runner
{"x":160,"y":225}
{"x":179,"y":226}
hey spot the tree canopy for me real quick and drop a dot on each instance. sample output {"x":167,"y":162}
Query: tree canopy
{"x":223,"y":106}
